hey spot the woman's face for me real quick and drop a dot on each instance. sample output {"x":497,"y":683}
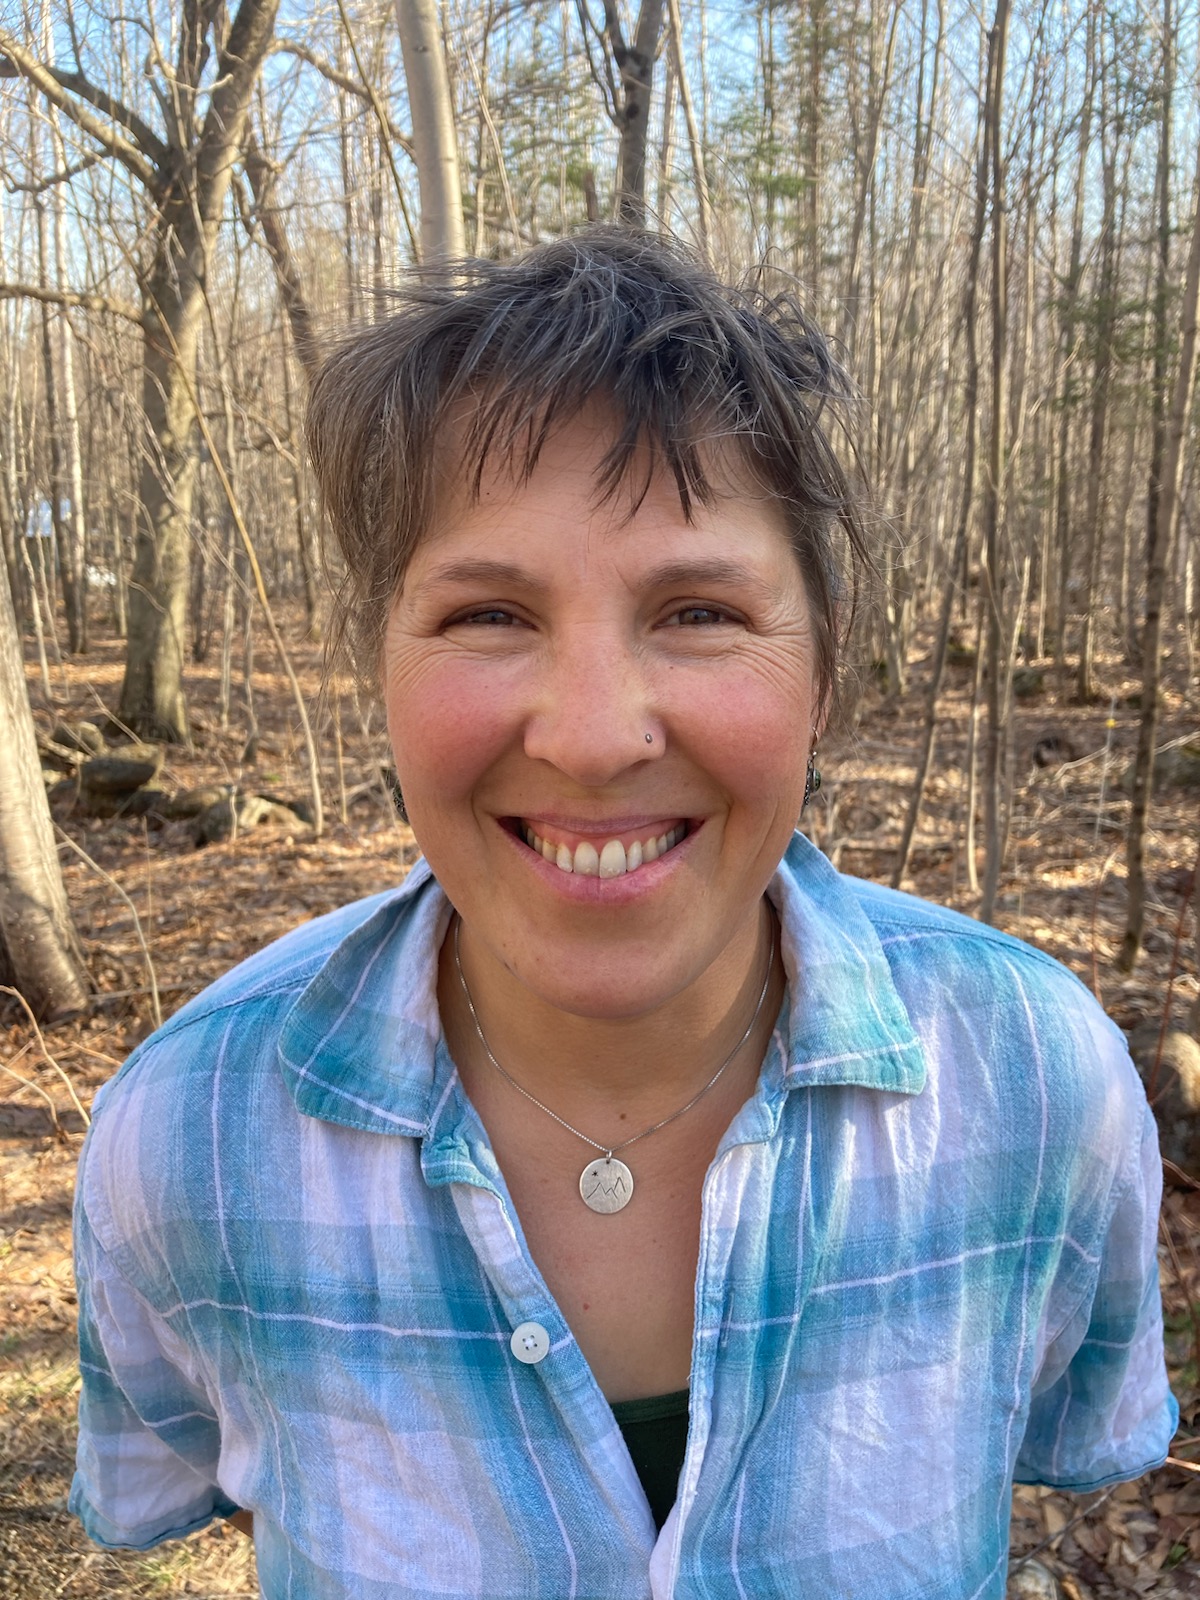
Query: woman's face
{"x":568,"y":685}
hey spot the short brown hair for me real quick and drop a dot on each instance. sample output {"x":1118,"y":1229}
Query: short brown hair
{"x":607,"y":314}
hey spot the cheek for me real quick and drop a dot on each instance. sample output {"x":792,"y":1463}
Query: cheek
{"x":446,"y":727}
{"x":754,"y":730}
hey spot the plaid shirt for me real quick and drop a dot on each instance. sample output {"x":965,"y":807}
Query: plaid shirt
{"x":927,"y":1265}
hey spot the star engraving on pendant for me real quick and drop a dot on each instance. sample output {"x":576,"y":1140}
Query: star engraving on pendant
{"x":606,"y":1186}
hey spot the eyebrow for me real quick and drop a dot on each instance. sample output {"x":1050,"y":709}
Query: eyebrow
{"x":474,"y":569}
{"x":683,"y":574}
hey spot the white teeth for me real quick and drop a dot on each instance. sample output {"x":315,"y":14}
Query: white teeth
{"x":612,"y":859}
{"x":587,"y":862}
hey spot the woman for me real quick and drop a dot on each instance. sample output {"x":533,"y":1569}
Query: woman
{"x":628,"y":1204}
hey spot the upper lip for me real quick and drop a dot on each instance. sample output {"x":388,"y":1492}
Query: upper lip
{"x":607,"y":826}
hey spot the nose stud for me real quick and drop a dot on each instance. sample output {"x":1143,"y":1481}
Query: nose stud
{"x":649,"y":738}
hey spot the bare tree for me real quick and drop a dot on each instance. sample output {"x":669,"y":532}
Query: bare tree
{"x":1166,"y":509}
{"x":628,"y":85}
{"x":184,"y":172}
{"x":38,"y":951}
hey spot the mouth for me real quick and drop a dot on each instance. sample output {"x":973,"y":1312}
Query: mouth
{"x":602,"y":855}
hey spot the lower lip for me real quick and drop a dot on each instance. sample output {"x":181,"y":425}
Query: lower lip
{"x":597,"y":891}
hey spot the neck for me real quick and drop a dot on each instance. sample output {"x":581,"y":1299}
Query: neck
{"x":626,"y":1068}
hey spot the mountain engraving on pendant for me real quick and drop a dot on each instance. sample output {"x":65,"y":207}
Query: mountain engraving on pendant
{"x":606,"y":1185}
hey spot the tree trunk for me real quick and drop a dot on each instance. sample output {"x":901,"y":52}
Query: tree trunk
{"x":695,"y":143}
{"x":1167,"y":506}
{"x":37,"y":943}
{"x":1098,"y":434}
{"x":152,"y":700}
{"x":443,"y":237}
{"x":631,"y":106}
{"x":999,"y":662}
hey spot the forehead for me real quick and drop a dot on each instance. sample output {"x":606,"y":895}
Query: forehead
{"x":568,"y":479}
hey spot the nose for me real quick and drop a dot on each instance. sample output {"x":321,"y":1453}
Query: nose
{"x":594,"y":709}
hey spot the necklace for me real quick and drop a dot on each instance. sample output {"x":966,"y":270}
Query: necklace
{"x":606,"y":1184}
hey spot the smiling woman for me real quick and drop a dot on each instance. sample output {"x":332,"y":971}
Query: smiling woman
{"x":626,"y":1205}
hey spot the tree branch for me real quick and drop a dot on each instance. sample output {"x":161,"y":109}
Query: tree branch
{"x":341,"y":80}
{"x":46,"y":82}
{"x":143,"y":134}
{"x":55,"y":178}
{"x":70,"y":297}
{"x":241,"y":56}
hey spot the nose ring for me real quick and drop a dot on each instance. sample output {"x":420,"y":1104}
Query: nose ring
{"x":649,"y":738}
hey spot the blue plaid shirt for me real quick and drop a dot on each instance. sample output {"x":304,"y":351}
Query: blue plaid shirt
{"x":927,"y":1266}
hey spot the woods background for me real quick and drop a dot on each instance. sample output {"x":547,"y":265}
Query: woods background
{"x":993,"y":214}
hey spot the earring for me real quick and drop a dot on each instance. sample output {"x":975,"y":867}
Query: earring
{"x":812,"y":779}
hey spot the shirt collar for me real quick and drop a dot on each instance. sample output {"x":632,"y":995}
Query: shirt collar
{"x":360,"y":1045}
{"x":850,"y":1025}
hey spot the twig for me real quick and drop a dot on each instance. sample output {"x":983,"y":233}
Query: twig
{"x":156,"y":1008}
{"x":33,"y":1022}
{"x":28,"y":1083}
{"x":1179,"y":1175}
{"x":1055,"y":1537}
{"x":1184,"y":1466}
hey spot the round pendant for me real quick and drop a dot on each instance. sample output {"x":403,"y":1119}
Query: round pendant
{"x":606,"y":1185}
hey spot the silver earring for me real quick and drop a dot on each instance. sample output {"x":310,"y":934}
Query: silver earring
{"x":812,"y":779}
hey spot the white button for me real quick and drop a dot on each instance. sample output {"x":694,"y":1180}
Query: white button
{"x":530,"y":1342}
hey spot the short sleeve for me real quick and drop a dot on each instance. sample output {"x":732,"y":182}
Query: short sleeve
{"x":149,"y":1443}
{"x":1101,"y":1408}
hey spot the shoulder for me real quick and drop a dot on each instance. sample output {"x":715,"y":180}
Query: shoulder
{"x":945,"y":957}
{"x":209,"y":1081}
{"x":1003,"y":1020}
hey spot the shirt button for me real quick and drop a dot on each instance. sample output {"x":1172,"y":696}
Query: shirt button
{"x":530,"y":1343}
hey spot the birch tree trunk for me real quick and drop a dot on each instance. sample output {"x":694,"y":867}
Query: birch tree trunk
{"x":443,"y":237}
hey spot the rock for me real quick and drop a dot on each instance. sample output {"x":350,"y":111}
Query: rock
{"x":1030,"y":1580}
{"x":959,"y":654}
{"x":64,"y":793}
{"x":1178,"y":768}
{"x":1052,"y":749}
{"x":83,"y":736}
{"x":242,"y":813}
{"x":191,"y":802}
{"x":301,"y":808}
{"x":1028,"y":682}
{"x":145,"y":802}
{"x":1174,"y":1091}
{"x":122,"y":773}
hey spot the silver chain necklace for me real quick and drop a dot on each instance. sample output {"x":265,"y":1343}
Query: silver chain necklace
{"x":606,"y":1185}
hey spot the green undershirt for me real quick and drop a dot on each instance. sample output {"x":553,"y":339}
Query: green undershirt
{"x":655,"y":1434}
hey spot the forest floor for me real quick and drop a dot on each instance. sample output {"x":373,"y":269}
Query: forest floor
{"x":202,"y":910}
